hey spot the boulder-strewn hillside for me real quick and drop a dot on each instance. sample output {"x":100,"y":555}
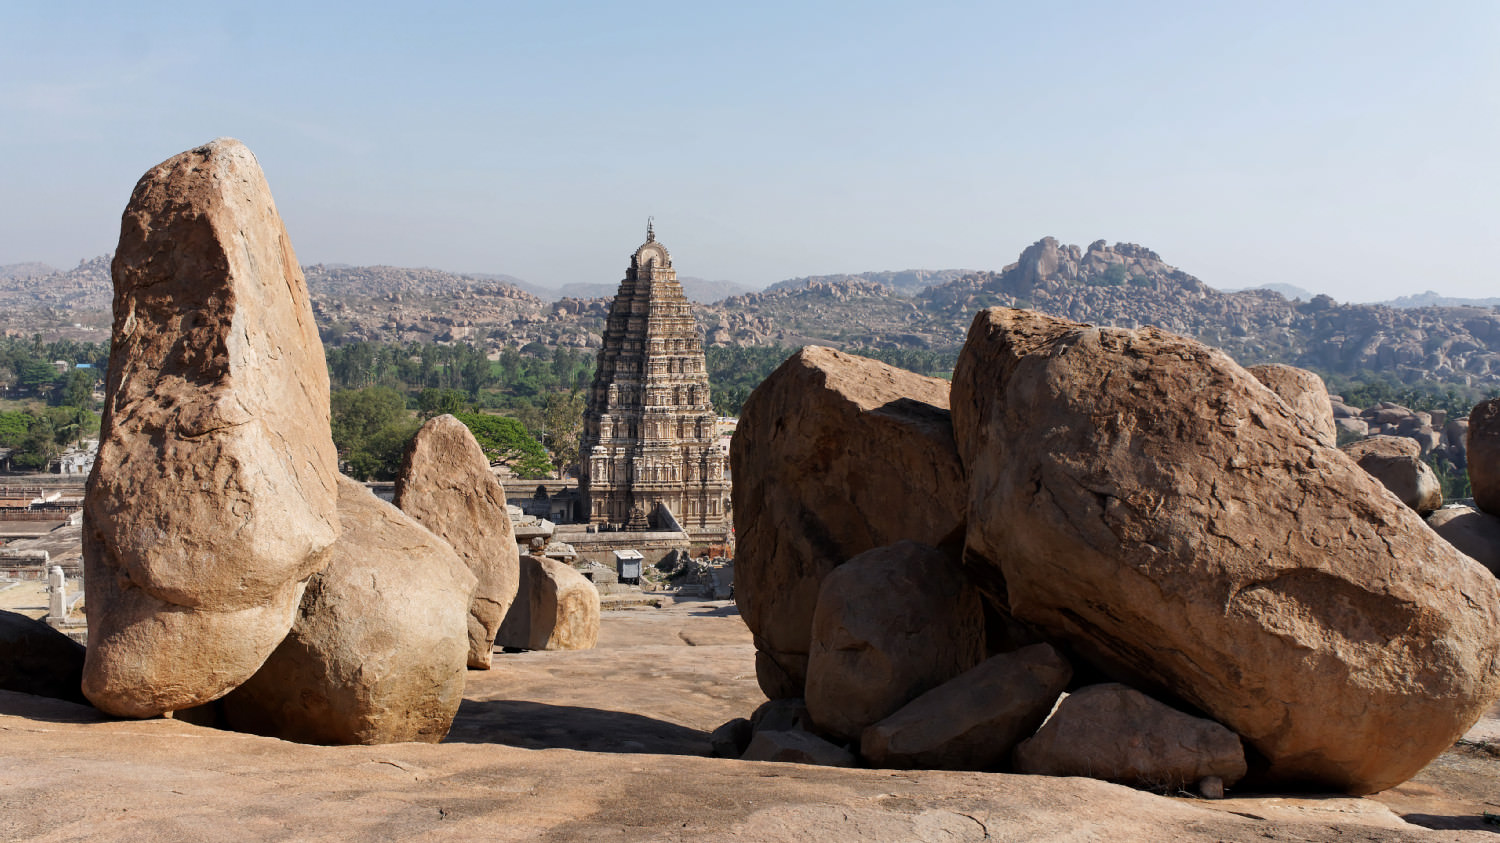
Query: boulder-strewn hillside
{"x":1124,"y":285}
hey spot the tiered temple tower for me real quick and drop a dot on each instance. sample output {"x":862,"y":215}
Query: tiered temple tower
{"x":650,"y":435}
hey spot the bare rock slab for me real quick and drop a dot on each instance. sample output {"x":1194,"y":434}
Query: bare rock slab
{"x":379,"y":649}
{"x":974,"y":721}
{"x":891,"y":624}
{"x":1396,"y":461}
{"x":1303,"y":391}
{"x":557,"y":609}
{"x":37,"y":659}
{"x":1116,"y":733}
{"x":1482,"y":450}
{"x":835,"y":454}
{"x":1476,"y":534}
{"x":446,"y":484}
{"x":1151,"y":504}
{"x":213,"y":497}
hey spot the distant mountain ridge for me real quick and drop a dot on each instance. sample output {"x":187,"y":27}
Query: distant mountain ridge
{"x":1125,"y":284}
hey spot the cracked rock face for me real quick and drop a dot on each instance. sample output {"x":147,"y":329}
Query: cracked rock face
{"x":446,"y":484}
{"x":213,"y":497}
{"x":1150,"y":503}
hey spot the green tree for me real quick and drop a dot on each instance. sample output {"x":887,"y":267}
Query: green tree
{"x":506,"y":441}
{"x":370,"y":429}
{"x":436,"y":402}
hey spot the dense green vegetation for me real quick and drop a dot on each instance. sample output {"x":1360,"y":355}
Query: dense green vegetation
{"x":538,"y":388}
{"x":53,"y":406}
{"x":1369,"y":389}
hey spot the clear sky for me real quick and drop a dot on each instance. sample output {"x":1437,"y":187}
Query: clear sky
{"x":1345,"y":147}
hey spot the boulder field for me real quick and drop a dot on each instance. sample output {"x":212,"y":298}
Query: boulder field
{"x":1160,"y":516}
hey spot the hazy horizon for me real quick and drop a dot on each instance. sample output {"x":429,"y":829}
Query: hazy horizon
{"x":1344,"y":148}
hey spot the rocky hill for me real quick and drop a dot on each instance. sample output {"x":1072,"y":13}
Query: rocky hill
{"x":1124,"y":284}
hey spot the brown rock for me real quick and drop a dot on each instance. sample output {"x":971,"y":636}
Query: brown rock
{"x":797,"y":748}
{"x":891,"y":624}
{"x":37,"y":659}
{"x":807,"y":495}
{"x":378,"y":650}
{"x":560,"y":610}
{"x":1476,"y":534}
{"x":446,"y":484}
{"x":1304,"y":392}
{"x":1482,"y":451}
{"x":1396,"y":461}
{"x":1116,"y":733}
{"x":973,"y":721}
{"x":213,"y":496}
{"x":1150,"y":505}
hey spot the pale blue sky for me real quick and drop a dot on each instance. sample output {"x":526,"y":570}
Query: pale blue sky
{"x":1343,"y":147}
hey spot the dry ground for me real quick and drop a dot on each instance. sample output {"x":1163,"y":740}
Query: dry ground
{"x":608,"y":745}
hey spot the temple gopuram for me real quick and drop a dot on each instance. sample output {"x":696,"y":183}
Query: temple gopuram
{"x":650,"y":455}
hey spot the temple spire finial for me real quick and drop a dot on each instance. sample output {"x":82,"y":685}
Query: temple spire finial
{"x":650,"y":229}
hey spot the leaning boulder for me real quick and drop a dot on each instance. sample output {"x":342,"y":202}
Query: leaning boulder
{"x":891,"y":624}
{"x":1396,"y":461}
{"x":1482,"y":451}
{"x":378,"y":651}
{"x":834,"y":455}
{"x":1153,"y":505}
{"x":557,"y":608}
{"x":1476,"y":534}
{"x":973,"y":721}
{"x":213,"y":497}
{"x":1304,"y":392}
{"x":446,"y":484}
{"x":1116,"y":733}
{"x":37,"y":659}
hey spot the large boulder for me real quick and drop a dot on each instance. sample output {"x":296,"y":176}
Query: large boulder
{"x":446,"y":484}
{"x":1152,"y":504}
{"x":973,"y":721}
{"x":1304,"y":392}
{"x":213,"y":497}
{"x":891,"y":624}
{"x":37,"y":659}
{"x":1476,"y":534}
{"x":834,"y":455}
{"x":1119,"y":734}
{"x":378,"y":652}
{"x":1396,"y":461}
{"x":557,"y":608}
{"x":1482,"y":451}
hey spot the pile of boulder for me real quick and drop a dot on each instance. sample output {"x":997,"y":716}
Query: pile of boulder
{"x":232,"y":574}
{"x":1103,"y":552}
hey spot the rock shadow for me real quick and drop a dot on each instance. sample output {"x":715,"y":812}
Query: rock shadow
{"x":1443,"y":822}
{"x":534,"y":725}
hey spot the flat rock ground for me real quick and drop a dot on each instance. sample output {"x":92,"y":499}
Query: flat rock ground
{"x":610,"y":745}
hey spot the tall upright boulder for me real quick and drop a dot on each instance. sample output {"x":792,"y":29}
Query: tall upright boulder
{"x":1154,"y":506}
{"x":1482,"y":450}
{"x":213,"y":497}
{"x":1304,"y":392}
{"x":446,"y":484}
{"x":378,"y":652}
{"x":835,"y":454}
